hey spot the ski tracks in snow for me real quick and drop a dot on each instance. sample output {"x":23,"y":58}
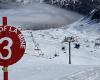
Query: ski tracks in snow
{"x":90,"y":74}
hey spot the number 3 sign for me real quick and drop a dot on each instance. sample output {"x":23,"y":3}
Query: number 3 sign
{"x":12,"y":45}
{"x":8,"y":47}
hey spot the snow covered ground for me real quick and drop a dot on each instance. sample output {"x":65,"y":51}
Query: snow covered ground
{"x":33,"y":68}
{"x":43,"y":65}
{"x":49,"y":43}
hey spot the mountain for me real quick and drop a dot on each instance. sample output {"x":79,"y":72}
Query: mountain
{"x":9,"y":4}
{"x":45,"y":48}
{"x":89,"y":24}
{"x":86,"y":30}
{"x":48,"y":43}
{"x":81,"y":6}
{"x":47,"y":56}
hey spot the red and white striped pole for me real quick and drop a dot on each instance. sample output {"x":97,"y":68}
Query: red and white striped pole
{"x":5,"y":72}
{"x":4,"y":19}
{"x":5,"y":68}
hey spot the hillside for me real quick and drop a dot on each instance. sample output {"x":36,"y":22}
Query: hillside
{"x":46,"y":57}
{"x":80,"y":6}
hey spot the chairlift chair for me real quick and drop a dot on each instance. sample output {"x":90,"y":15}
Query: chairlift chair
{"x":37,"y":49}
{"x":97,"y":40}
{"x":77,"y":45}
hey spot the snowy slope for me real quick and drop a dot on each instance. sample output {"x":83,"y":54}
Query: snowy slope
{"x":50,"y":43}
{"x":89,"y":74}
{"x":85,"y":31}
{"x":90,"y":24}
{"x":49,"y":67}
{"x":39,"y":61}
{"x":33,"y":68}
{"x":42,"y":65}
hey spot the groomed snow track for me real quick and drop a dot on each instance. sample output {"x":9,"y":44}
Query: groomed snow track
{"x":90,"y":74}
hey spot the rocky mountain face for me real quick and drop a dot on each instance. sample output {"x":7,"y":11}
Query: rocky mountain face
{"x":6,"y":4}
{"x":81,"y":6}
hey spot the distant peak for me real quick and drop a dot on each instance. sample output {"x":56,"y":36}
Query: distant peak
{"x":96,"y":13}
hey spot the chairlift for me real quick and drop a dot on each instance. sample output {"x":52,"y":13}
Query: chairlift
{"x":77,"y":45}
{"x":63,"y":48}
{"x":97,"y":40}
{"x":37,"y":49}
